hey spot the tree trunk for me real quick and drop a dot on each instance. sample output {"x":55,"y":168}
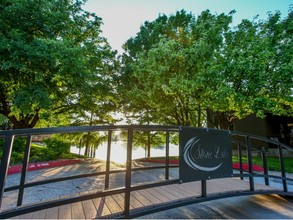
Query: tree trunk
{"x":28,"y":121}
{"x":199,"y":116}
{"x":79,"y":147}
{"x":94,"y":153}
{"x":149,"y":144}
{"x":87,"y":153}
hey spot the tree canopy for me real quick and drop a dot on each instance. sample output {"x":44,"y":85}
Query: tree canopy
{"x":55,"y":67}
{"x":178,"y":67}
{"x":52,"y":55}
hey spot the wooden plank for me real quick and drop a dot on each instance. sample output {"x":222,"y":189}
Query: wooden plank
{"x":134,"y":203}
{"x":119,"y":199}
{"x":113,"y":206}
{"x":52,"y":213}
{"x":25,"y":216}
{"x":89,"y":209}
{"x":176,"y":193}
{"x":64,"y":212}
{"x":171,"y":195}
{"x":39,"y":214}
{"x":225,"y":185}
{"x":181,"y":190}
{"x":191,"y":187}
{"x":101,"y":207}
{"x":150,"y":197}
{"x":160,"y":196}
{"x":77,"y":211}
{"x":143,"y":200}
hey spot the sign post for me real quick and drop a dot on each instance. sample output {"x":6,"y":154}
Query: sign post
{"x":204,"y":154}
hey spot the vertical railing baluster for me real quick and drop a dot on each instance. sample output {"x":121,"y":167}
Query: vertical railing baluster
{"x":128,"y":172}
{"x":265,"y":165}
{"x":240,"y":161}
{"x":167,"y":155}
{"x":24,"y":169}
{"x":7,"y":149}
{"x":282,"y":166}
{"x":250,"y":165}
{"x":107,"y":177}
{"x":204,"y":188}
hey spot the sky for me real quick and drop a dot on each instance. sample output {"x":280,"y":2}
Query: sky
{"x":123,"y":18}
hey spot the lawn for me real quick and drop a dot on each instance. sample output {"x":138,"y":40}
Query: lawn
{"x":273,"y":162}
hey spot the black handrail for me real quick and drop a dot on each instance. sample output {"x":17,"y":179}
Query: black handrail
{"x":128,"y":188}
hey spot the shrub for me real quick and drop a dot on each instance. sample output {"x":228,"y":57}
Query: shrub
{"x":56,"y":146}
{"x":16,"y":158}
{"x":18,"y":144}
{"x":18,"y":149}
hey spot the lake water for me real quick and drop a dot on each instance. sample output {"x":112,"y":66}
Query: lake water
{"x":118,"y":151}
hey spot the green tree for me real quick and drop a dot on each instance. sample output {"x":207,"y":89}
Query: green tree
{"x":255,"y":70}
{"x":179,"y":67}
{"x":51,"y":55}
{"x":278,"y":34}
{"x":167,"y":66}
{"x":92,"y":141}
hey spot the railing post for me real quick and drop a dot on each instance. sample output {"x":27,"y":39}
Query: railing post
{"x":250,"y":165}
{"x":5,"y":163}
{"x":107,"y":177}
{"x":204,"y":188}
{"x":265,"y":165}
{"x":282,"y":165}
{"x":24,"y":169}
{"x":240,"y":161}
{"x":167,"y":155}
{"x":128,"y":172}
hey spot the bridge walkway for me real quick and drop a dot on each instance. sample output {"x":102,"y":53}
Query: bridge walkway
{"x":113,"y":206}
{"x":132,"y":200}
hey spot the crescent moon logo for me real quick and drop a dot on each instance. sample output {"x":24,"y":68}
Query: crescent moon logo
{"x":187,"y":155}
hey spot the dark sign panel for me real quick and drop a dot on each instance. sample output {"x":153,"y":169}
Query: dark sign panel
{"x":204,"y":154}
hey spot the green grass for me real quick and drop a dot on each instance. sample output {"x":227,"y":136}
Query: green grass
{"x":272,"y":162}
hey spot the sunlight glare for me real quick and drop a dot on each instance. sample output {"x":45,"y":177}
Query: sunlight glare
{"x":119,"y":152}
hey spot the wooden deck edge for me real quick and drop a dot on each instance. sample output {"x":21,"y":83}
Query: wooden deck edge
{"x":148,"y":209}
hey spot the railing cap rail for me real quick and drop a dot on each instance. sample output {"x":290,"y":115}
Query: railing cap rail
{"x":75,"y":129}
{"x":265,"y":139}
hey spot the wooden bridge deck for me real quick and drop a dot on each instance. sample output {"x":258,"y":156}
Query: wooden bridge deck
{"x":113,"y":205}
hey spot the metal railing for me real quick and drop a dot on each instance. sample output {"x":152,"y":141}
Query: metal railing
{"x":21,"y":208}
{"x":262,"y":151}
